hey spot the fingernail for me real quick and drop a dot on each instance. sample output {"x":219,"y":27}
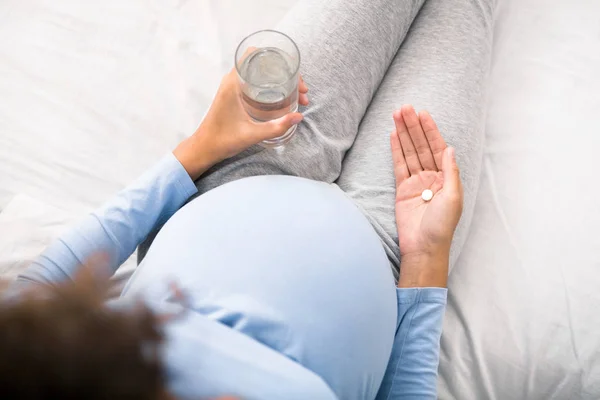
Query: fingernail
{"x":451,"y":152}
{"x":296,"y":119}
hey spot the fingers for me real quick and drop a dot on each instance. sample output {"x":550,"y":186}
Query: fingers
{"x":303,"y":99}
{"x":408,"y":148}
{"x":302,"y":85}
{"x":452,"y":183}
{"x":277,"y":127}
{"x":303,"y":90}
{"x":413,"y":123}
{"x":434,"y":137}
{"x":400,"y":167}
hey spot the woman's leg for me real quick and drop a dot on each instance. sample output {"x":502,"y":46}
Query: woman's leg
{"x":442,"y":67}
{"x":346,"y":46}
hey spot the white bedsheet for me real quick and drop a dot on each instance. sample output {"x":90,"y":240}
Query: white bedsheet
{"x":524,"y":320}
{"x":92,"y":93}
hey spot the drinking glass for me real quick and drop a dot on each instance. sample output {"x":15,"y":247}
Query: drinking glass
{"x":267,"y":64}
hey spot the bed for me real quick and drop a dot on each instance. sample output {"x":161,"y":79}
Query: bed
{"x":92,"y":93}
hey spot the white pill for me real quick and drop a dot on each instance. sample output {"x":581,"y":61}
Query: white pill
{"x":427,"y":195}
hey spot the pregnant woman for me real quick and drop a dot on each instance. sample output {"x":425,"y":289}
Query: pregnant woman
{"x":316,"y":272}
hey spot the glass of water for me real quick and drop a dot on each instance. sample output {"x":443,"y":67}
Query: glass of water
{"x":267,"y":64}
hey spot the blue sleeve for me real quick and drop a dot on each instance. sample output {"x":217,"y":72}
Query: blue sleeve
{"x":117,"y":228}
{"x":412,"y":369}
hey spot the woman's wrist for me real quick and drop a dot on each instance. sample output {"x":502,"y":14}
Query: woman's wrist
{"x":193,"y":156}
{"x":424,"y":269}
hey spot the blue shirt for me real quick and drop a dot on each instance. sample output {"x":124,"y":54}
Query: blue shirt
{"x":289,"y":292}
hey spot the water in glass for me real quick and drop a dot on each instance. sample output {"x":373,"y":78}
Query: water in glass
{"x":269,"y":90}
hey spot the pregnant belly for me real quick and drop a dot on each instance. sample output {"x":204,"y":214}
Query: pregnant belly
{"x":290,"y":262}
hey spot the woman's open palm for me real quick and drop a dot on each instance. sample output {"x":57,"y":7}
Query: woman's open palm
{"x":422,"y":161}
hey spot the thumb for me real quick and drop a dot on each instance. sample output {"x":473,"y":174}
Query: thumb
{"x":450,"y":171}
{"x":277,"y":127}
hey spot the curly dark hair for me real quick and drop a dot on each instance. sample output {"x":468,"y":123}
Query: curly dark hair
{"x":66,"y":344}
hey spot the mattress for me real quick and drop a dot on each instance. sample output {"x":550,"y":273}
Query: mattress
{"x":92,"y":93}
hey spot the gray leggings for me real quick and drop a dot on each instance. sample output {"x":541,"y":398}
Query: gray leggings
{"x":361,"y":61}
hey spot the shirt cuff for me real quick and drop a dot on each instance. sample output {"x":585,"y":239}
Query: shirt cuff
{"x":178,"y":174}
{"x":422,"y":295}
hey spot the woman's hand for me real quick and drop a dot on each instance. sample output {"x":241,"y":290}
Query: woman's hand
{"x":228,"y":130}
{"x":422,"y":160}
